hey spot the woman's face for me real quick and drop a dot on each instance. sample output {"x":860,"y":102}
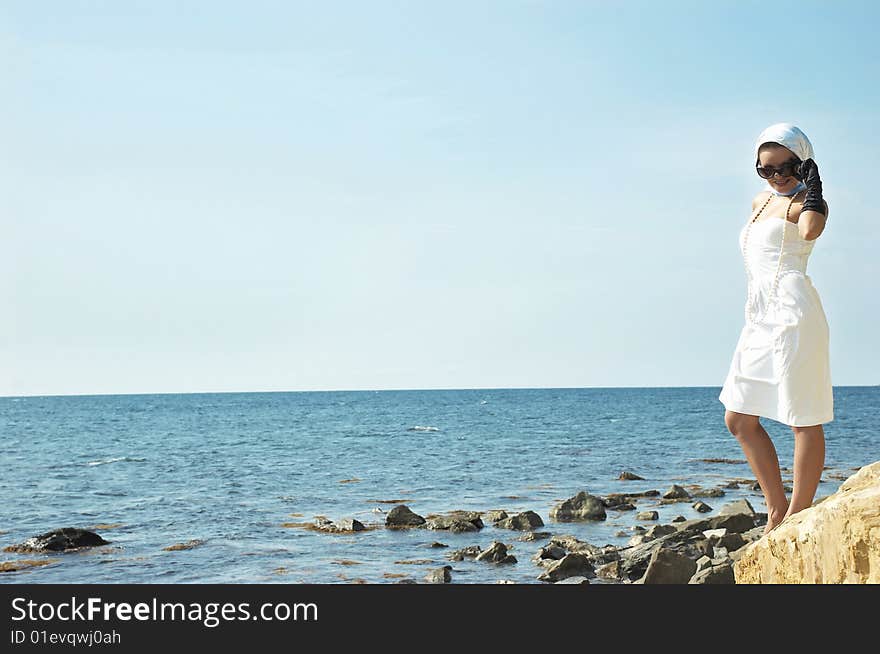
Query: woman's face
{"x":775,"y":156}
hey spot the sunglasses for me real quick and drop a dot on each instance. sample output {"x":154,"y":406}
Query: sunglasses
{"x":787,"y":169}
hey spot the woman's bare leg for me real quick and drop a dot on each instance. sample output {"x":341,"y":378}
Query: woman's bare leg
{"x":809,"y":459}
{"x":761,"y":455}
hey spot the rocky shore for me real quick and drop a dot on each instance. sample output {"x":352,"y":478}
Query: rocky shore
{"x":834,"y":541}
{"x":837,"y":540}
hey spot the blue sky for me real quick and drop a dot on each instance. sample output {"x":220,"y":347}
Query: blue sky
{"x":228,"y":196}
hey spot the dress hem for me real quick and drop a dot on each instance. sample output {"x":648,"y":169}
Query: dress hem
{"x":730,"y":406}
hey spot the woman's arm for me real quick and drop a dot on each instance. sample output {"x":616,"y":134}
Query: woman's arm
{"x":811,"y":224}
{"x":814,"y":213}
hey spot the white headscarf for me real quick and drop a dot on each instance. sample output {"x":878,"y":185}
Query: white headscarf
{"x":791,"y":137}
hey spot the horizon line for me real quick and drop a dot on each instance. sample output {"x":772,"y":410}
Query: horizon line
{"x":386,"y":390}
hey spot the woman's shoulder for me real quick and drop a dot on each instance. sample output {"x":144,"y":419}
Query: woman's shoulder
{"x":760,"y":198}
{"x":797,"y":201}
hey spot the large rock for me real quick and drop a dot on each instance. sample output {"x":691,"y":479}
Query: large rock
{"x":440,"y":575}
{"x":456,"y":521}
{"x":571,"y":565}
{"x":676,"y":492}
{"x":730,"y":542}
{"x":713,"y":574}
{"x":609,"y":571}
{"x":573,"y":544}
{"x":660,"y":530}
{"x":546,"y":555}
{"x":739,"y":506}
{"x":59,"y":540}
{"x":736,"y":522}
{"x":634,"y":561}
{"x":525,"y":521}
{"x":497,"y":553}
{"x":402,"y":516}
{"x":837,"y":540}
{"x":495,"y":515}
{"x":669,"y":567}
{"x":582,"y":506}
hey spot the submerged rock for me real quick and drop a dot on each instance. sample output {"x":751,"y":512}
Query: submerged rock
{"x":629,"y":476}
{"x":59,"y":540}
{"x":344,"y":526}
{"x":534,"y":535}
{"x":468,"y":552}
{"x":188,"y":545}
{"x":708,"y":492}
{"x":24,"y":564}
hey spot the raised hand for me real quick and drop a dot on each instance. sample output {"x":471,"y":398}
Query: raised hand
{"x":808,"y":171}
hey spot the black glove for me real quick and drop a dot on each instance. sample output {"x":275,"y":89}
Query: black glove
{"x":808,"y":172}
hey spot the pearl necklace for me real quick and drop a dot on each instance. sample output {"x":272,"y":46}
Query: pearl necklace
{"x":751,"y":299}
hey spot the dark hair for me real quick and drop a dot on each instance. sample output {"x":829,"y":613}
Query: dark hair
{"x":773,"y":143}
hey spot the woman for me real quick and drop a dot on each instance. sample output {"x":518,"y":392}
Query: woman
{"x":780,"y":368}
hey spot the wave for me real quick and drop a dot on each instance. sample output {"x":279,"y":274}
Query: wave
{"x":423,"y":428}
{"x":114,"y":459}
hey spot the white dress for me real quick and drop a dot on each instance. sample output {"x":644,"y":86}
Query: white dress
{"x":780,"y":368}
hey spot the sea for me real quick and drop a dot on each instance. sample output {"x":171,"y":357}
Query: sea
{"x":238,"y":476}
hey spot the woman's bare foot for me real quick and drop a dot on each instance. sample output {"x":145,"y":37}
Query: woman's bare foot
{"x":774,"y":518}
